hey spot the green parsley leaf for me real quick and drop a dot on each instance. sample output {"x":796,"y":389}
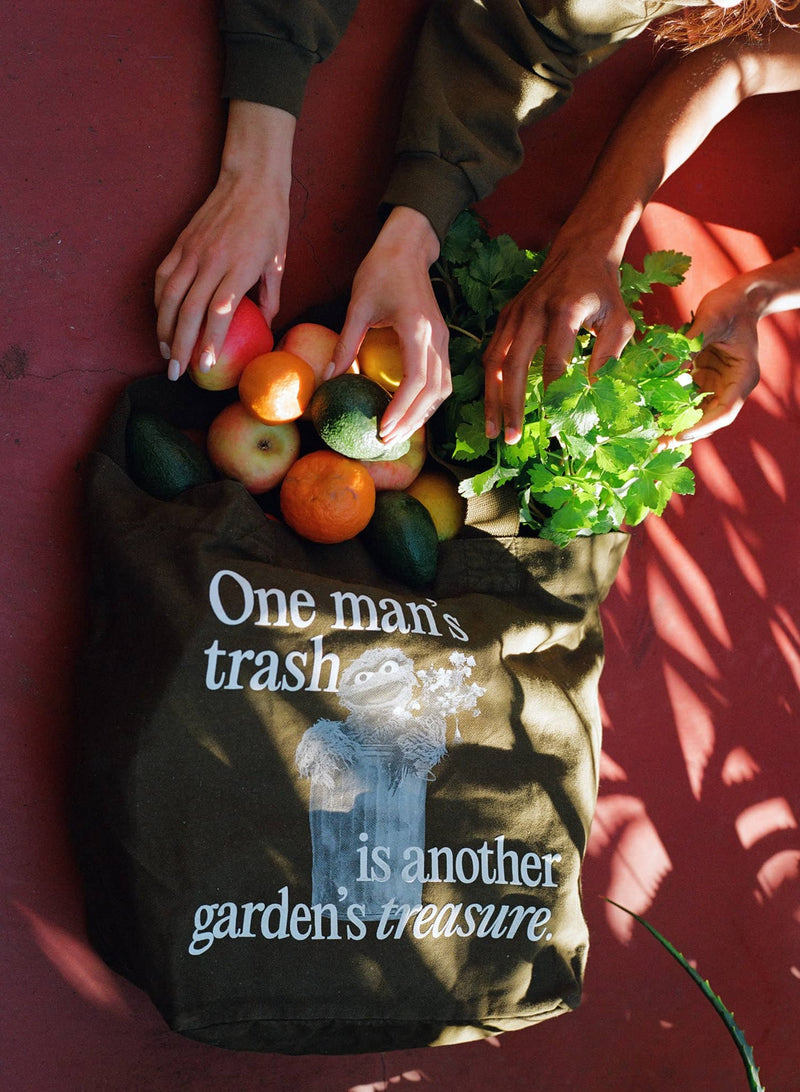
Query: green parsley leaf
{"x":666,"y":267}
{"x":471,"y":440}
{"x":590,"y":458}
{"x":465,"y":234}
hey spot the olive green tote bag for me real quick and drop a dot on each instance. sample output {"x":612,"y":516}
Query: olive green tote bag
{"x":317,"y":811}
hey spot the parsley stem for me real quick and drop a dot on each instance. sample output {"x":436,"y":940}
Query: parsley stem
{"x":447,"y":282}
{"x":536,"y":511}
{"x":461,"y":330}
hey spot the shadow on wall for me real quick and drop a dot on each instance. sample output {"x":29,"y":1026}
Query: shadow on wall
{"x":699,"y":809}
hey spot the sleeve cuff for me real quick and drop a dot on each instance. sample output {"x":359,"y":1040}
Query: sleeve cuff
{"x":432,"y":186}
{"x":269,"y":71}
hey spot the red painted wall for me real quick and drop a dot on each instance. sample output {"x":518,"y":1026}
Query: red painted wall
{"x":110,"y":136}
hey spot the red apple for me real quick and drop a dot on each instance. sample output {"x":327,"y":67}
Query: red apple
{"x":248,"y":336}
{"x":250,"y":451}
{"x":312,"y":342}
{"x":399,"y":473}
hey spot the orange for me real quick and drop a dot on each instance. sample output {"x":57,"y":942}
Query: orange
{"x":276,"y":387}
{"x":327,"y":497}
{"x":380,"y":358}
{"x":438,"y":491}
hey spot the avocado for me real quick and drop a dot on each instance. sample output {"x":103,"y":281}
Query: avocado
{"x":401,"y":536}
{"x":346,"y":412}
{"x":161,"y":459}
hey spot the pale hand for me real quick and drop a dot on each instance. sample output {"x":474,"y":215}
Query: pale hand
{"x":237,"y":239}
{"x":392,"y":287}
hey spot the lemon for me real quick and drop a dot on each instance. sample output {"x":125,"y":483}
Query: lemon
{"x":438,"y":491}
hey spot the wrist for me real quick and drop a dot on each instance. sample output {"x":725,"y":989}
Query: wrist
{"x":756,"y":295}
{"x":410,"y":234}
{"x":773,"y":287}
{"x":603,"y":231}
{"x":582,"y":243}
{"x":258,"y":143}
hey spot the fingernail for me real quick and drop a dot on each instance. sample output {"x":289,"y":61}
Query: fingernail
{"x":329,"y":371}
{"x":512,"y":435}
{"x":206,"y":361}
{"x":492,"y":430}
{"x":401,"y":436}
{"x":163,"y":348}
{"x":174,"y":370}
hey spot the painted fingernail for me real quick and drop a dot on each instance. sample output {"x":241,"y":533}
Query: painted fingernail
{"x":331,"y":368}
{"x":206,"y":361}
{"x":174,"y":370}
{"x":163,"y":348}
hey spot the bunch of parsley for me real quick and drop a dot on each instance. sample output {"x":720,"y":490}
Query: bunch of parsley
{"x":591,"y":458}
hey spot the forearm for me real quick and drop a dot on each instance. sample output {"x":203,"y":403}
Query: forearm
{"x":671,"y":118}
{"x":767,"y":290}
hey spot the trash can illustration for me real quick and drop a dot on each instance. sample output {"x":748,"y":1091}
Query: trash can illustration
{"x":369,"y":774}
{"x":361,"y":828}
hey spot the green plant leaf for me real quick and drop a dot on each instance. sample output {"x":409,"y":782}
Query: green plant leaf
{"x":588,"y":459}
{"x":481,"y":483}
{"x":632,"y":283}
{"x":471,"y":441}
{"x":666,"y":267}
{"x":736,"y":1033}
{"x":465,"y":234}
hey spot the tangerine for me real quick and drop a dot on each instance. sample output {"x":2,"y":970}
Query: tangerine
{"x":276,"y":387}
{"x":327,"y":497}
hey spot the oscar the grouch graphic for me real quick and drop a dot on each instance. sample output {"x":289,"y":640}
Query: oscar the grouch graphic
{"x":369,"y":771}
{"x":379,"y":692}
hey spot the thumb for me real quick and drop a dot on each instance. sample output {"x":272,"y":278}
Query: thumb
{"x":711,"y":322}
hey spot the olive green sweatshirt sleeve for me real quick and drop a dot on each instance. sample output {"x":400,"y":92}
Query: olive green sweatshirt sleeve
{"x":481,"y":72}
{"x":272,"y":45}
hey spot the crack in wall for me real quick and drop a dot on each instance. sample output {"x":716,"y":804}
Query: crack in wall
{"x":298,"y":227}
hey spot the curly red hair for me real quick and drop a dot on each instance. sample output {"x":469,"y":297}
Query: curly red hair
{"x":697,"y":27}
